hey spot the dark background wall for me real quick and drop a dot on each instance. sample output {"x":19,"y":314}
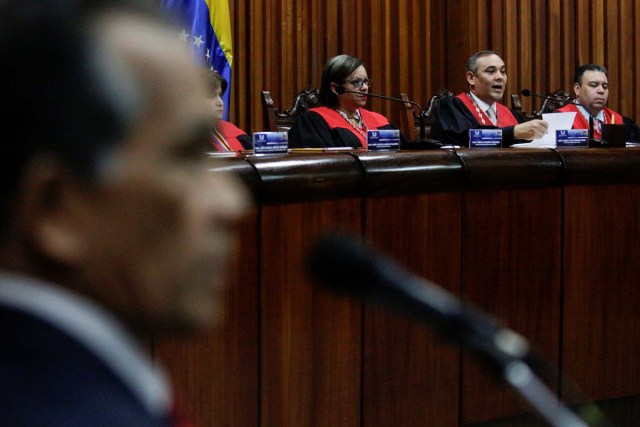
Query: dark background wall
{"x":420,"y":46}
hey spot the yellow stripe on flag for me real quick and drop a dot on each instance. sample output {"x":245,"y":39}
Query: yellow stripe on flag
{"x":221,"y":24}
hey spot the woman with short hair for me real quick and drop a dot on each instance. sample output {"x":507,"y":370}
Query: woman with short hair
{"x":224,"y":136}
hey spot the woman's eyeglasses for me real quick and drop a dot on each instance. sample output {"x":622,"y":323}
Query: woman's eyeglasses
{"x":357,"y":83}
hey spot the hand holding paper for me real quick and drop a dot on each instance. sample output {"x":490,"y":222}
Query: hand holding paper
{"x":555,"y":121}
{"x":530,"y":130}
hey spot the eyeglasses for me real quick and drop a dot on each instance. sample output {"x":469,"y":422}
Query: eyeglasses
{"x":357,"y":83}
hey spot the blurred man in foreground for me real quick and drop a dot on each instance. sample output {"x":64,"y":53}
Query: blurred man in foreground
{"x":111,"y":226}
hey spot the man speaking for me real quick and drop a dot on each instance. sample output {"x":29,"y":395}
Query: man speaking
{"x":480,"y":107}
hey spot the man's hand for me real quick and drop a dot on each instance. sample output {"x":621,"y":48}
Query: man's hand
{"x":532,"y":129}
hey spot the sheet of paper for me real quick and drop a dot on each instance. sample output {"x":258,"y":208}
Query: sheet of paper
{"x":556,"y":121}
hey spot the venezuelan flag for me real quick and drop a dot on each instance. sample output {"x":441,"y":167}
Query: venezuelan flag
{"x":206,"y":28}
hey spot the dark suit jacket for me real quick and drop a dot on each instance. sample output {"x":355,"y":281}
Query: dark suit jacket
{"x":453,"y":120}
{"x":49,"y":379}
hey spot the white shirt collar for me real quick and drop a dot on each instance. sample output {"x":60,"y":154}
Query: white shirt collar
{"x":483,"y":106}
{"x":585,"y":113}
{"x":94,"y":327}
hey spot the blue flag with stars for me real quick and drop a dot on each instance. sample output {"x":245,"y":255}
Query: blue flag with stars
{"x":206,"y":27}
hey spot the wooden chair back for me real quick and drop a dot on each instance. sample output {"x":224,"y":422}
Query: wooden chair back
{"x":276,"y":120}
{"x":410,"y":115}
{"x":560,"y":99}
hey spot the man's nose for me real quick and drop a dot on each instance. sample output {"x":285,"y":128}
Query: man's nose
{"x":224,"y":197}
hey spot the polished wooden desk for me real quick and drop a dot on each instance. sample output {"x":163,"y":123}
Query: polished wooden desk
{"x":546,"y":240}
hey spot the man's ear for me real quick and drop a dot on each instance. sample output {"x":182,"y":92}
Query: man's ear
{"x":47,"y":205}
{"x":470,"y":78}
{"x":576,"y":89}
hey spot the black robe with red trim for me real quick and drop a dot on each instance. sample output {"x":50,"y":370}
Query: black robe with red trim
{"x":454,"y":117}
{"x":322,"y":127}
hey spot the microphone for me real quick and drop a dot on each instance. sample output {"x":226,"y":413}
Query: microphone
{"x":557,"y":98}
{"x":349,"y":267}
{"x":422,"y":142}
{"x":527,"y":92}
{"x":568,"y":99}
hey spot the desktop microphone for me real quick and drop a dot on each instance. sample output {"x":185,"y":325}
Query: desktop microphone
{"x":422,"y":141}
{"x":566,"y":100}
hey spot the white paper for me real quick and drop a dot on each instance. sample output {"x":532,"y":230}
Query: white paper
{"x":556,"y":121}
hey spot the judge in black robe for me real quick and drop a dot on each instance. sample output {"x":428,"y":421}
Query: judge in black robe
{"x":591,"y":89}
{"x":324,"y":127}
{"x":453,"y":120}
{"x":455,"y":116}
{"x":342,"y":120}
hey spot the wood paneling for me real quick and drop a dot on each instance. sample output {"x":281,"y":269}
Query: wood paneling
{"x":511,"y":268}
{"x":546,"y":241}
{"x":399,"y":351}
{"x":601,"y":328}
{"x":420,"y":46}
{"x":310,"y":340}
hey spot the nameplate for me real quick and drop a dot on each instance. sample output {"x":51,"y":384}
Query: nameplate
{"x":485,"y":138}
{"x":270,"y":142}
{"x":383,"y":139}
{"x":572,"y":138}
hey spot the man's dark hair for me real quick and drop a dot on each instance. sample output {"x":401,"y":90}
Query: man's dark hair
{"x":580,"y":70}
{"x":336,"y":71}
{"x":472,"y":62}
{"x":62,"y":95}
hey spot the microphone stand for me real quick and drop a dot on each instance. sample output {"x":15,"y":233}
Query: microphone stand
{"x":422,"y":143}
{"x":593,"y":142}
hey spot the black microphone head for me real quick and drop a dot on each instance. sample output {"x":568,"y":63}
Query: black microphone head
{"x":343,"y":264}
{"x":526,"y":92}
{"x":340,"y":90}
